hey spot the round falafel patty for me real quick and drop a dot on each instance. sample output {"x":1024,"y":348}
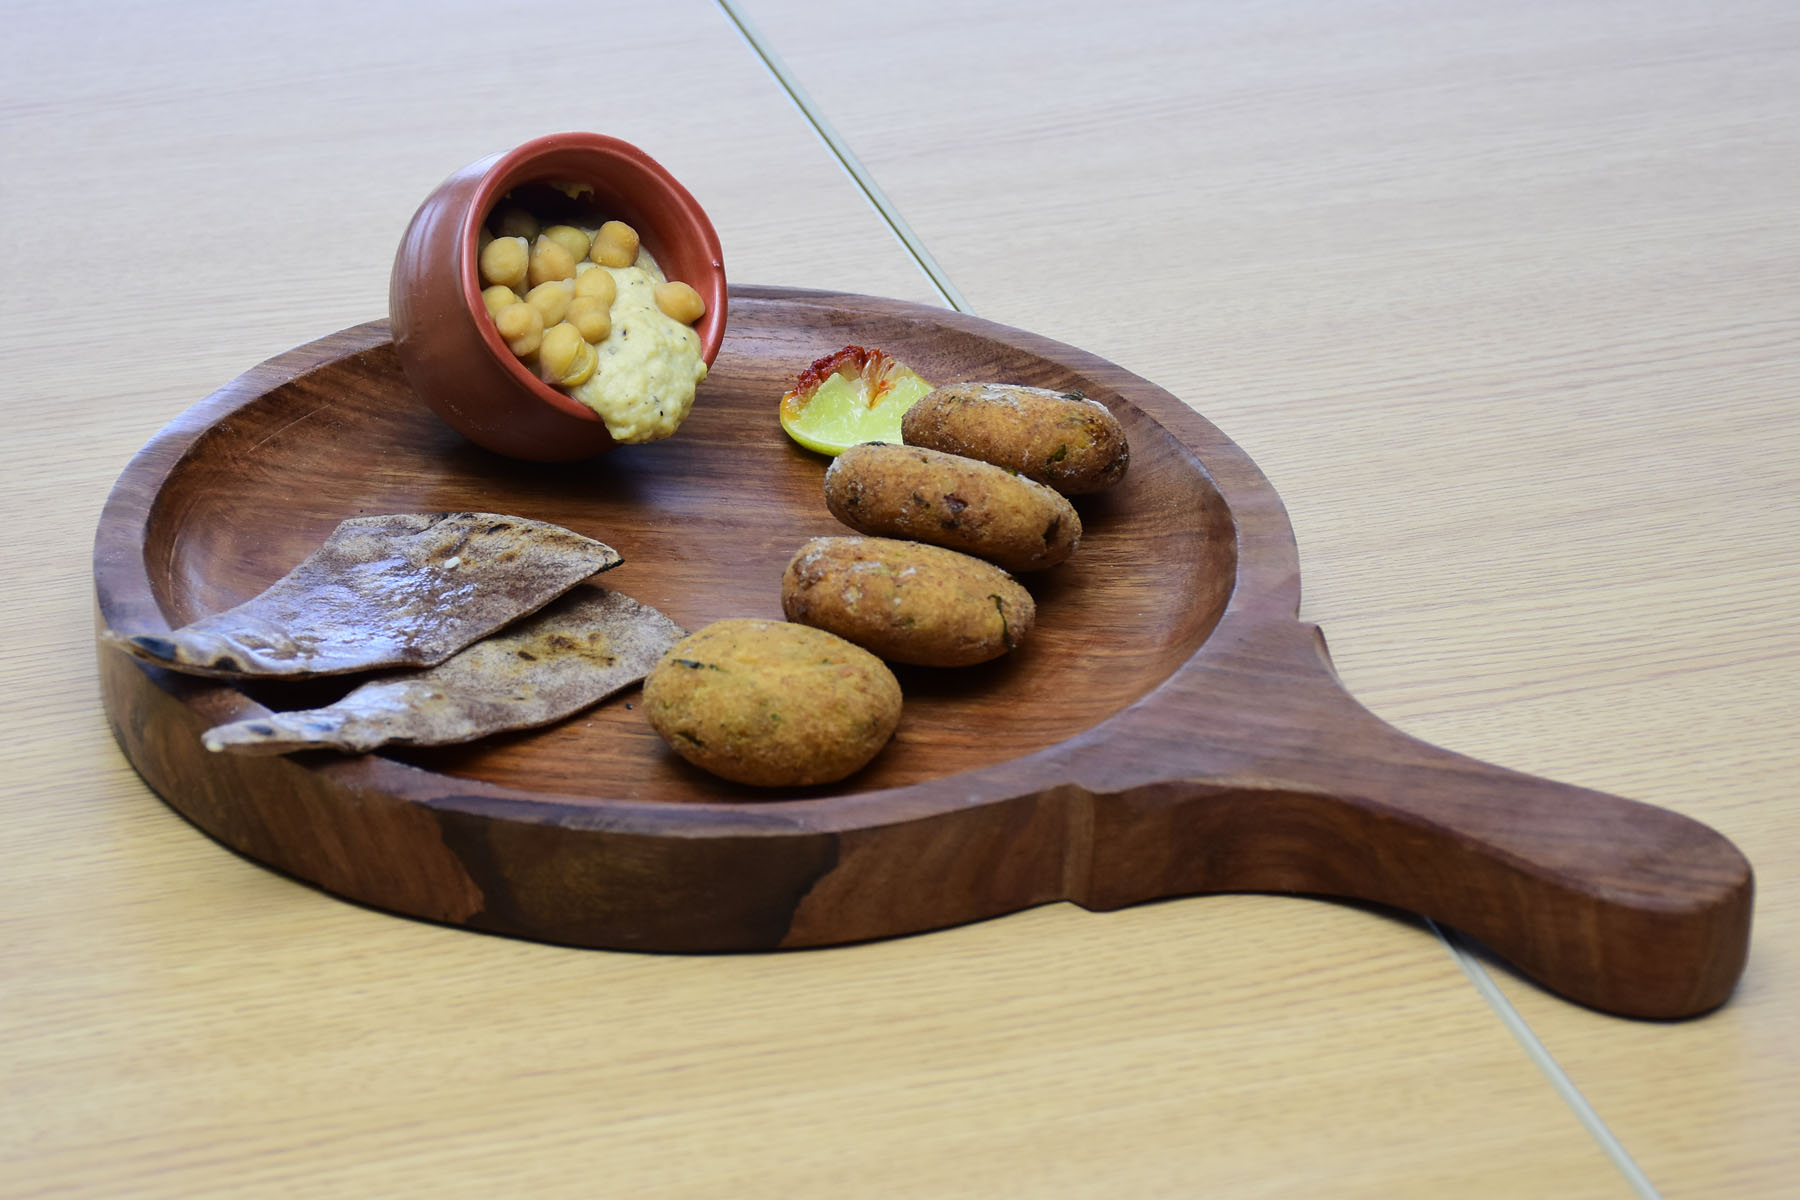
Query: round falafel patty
{"x":772,"y":703}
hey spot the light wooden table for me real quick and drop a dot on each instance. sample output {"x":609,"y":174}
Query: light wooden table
{"x":1503,"y":299}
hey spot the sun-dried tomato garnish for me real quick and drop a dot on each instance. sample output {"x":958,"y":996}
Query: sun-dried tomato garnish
{"x":875,"y":366}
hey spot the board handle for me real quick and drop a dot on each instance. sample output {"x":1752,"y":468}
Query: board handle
{"x":1616,"y":904}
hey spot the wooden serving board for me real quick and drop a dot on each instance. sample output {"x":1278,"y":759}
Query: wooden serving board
{"x":1171,"y":727}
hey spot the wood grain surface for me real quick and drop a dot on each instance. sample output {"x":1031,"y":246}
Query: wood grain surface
{"x":1500,"y":300}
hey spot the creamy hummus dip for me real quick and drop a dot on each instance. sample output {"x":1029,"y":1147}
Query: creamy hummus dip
{"x":643,"y":384}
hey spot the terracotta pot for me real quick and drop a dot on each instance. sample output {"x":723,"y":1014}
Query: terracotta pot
{"x":448,"y":347}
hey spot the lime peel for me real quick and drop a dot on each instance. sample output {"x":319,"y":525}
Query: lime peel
{"x":851,"y":396}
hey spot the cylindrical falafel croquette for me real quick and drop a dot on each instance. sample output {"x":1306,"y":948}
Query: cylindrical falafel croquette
{"x":907,"y":602}
{"x":948,"y":500}
{"x":1061,"y":439}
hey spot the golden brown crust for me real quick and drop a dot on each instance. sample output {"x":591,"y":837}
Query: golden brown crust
{"x":771,"y":703}
{"x":1061,"y":439}
{"x":907,"y":602}
{"x":948,"y":500}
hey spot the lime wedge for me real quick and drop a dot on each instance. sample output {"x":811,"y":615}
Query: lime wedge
{"x":849,"y":397}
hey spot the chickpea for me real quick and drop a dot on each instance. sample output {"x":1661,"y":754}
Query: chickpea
{"x":551,"y":299}
{"x":616,"y":245}
{"x":586,"y":360}
{"x":559,"y":351}
{"x":592,"y":316}
{"x":522,"y":327}
{"x":574,"y":240}
{"x":515,"y":222}
{"x":482,"y":237}
{"x":680,"y":301}
{"x":597,"y":283}
{"x":498,"y":297}
{"x":550,"y":261}
{"x":504,"y":262}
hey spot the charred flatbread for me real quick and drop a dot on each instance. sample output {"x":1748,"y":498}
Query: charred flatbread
{"x":405,"y":590}
{"x":575,"y":653}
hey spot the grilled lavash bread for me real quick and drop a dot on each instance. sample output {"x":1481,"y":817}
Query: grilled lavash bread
{"x":401,"y":590}
{"x":569,"y":656}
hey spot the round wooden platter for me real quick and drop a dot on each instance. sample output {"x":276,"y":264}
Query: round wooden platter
{"x":1171,"y":727}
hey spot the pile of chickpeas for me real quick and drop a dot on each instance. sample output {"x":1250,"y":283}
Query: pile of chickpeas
{"x":550,"y":313}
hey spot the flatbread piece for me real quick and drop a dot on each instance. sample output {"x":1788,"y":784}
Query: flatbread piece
{"x":575,"y":653}
{"x":405,"y":590}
